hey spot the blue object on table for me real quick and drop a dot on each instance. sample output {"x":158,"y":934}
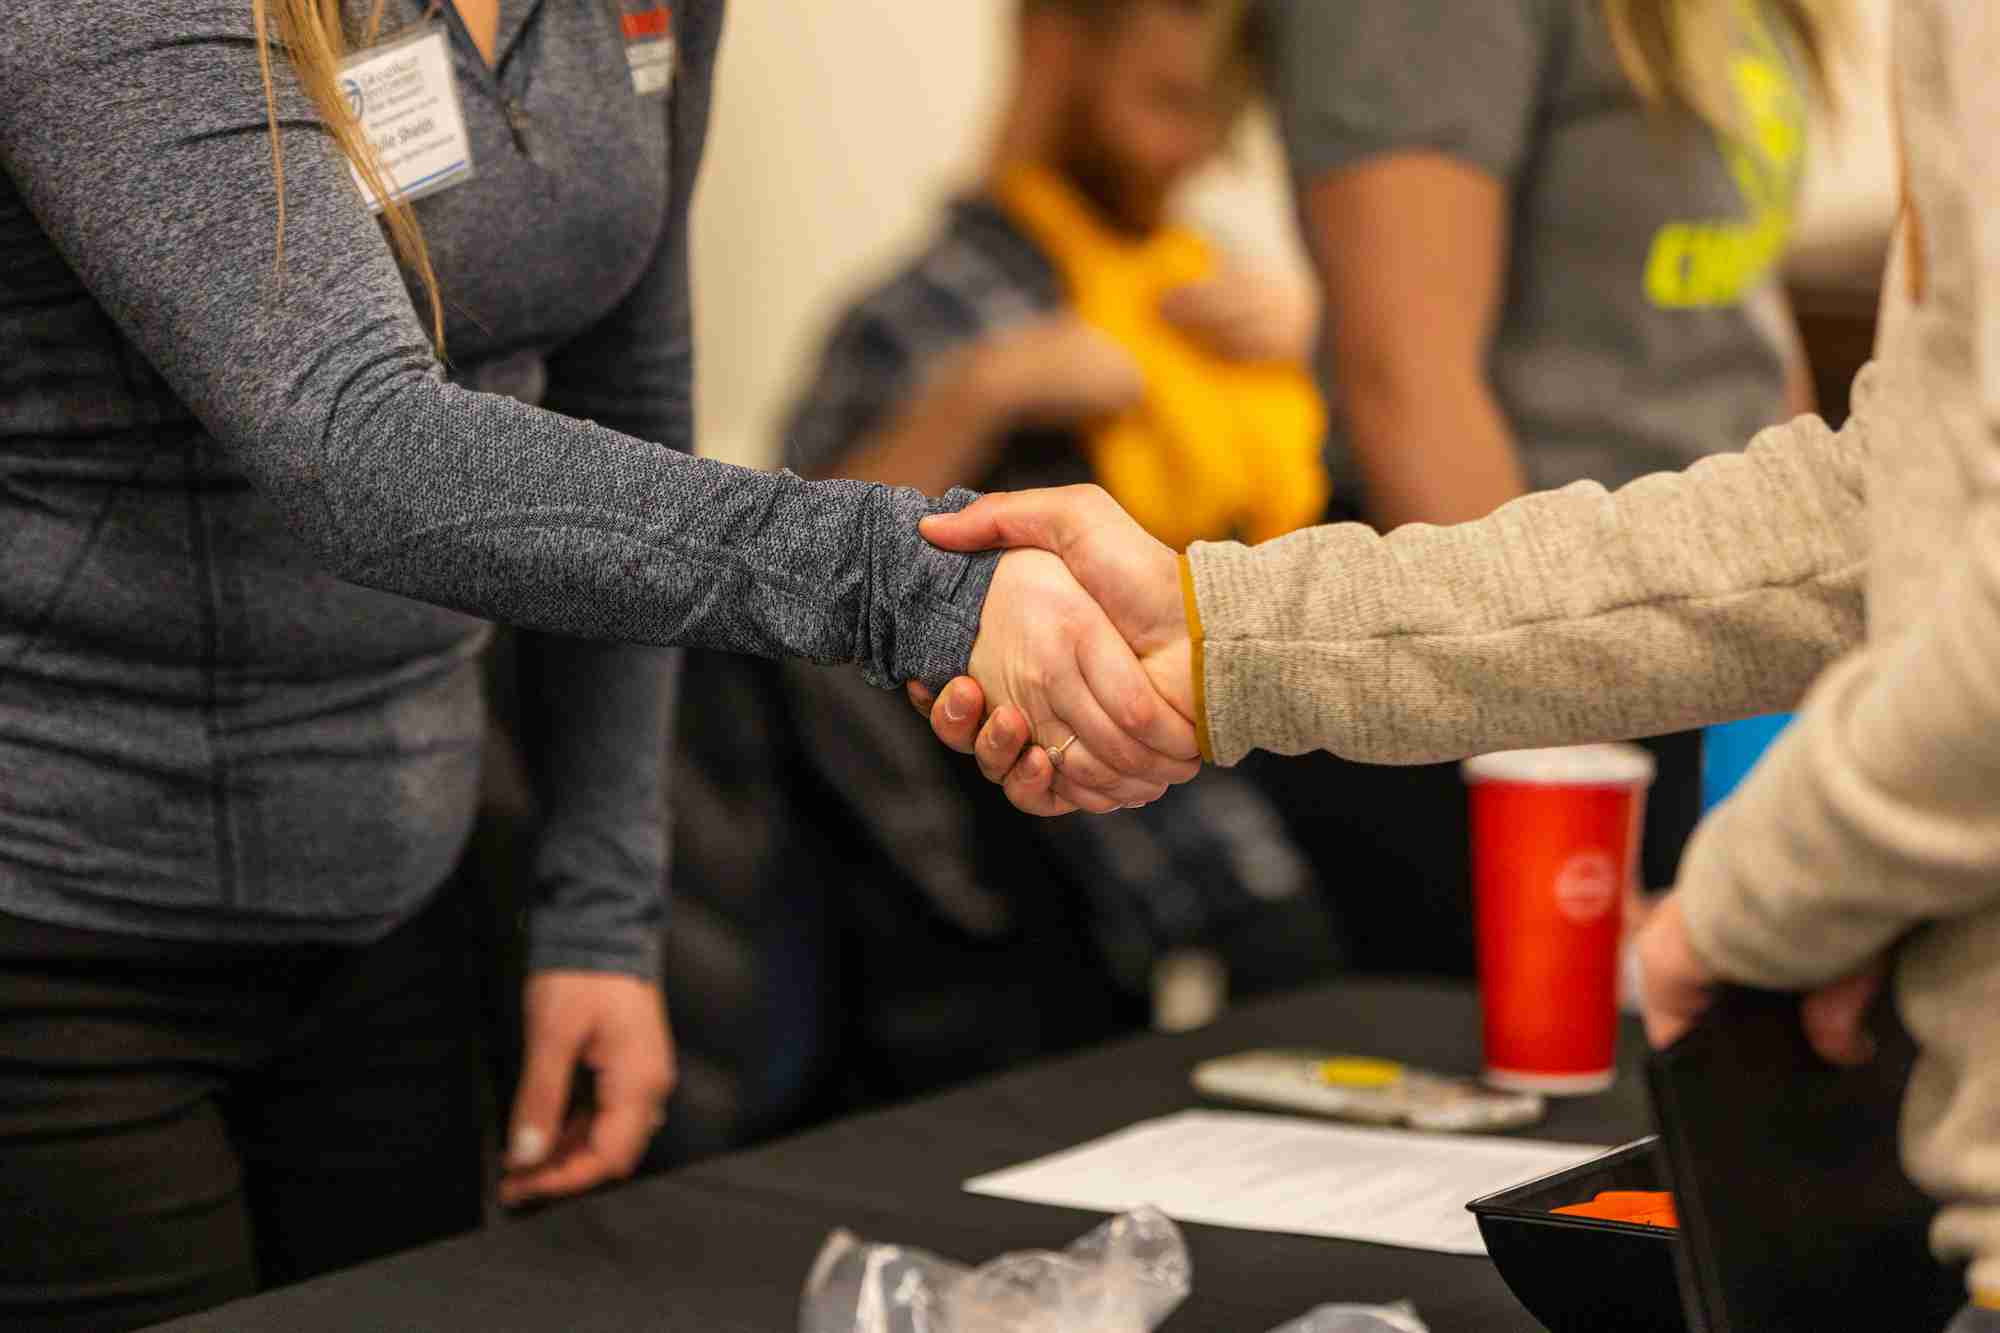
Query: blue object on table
{"x":1731,"y":750}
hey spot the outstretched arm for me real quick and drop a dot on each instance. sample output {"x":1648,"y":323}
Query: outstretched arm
{"x":1567,"y":616}
{"x":316,"y":380}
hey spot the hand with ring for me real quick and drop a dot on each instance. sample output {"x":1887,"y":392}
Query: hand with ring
{"x":1132,"y":579}
{"x":1069,"y":683}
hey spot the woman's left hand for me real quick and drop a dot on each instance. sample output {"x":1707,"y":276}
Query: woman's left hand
{"x":615,"y":1024}
{"x":1676,"y":987}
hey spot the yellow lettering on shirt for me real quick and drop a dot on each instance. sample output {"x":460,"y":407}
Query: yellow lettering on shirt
{"x":1708,"y":264}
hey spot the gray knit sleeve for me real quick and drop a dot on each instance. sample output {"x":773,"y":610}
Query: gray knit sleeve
{"x":135,"y":131}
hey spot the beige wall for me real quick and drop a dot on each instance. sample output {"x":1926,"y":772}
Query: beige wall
{"x":839,"y":128}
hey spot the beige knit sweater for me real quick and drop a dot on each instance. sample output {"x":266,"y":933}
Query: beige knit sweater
{"x":1859,"y":572}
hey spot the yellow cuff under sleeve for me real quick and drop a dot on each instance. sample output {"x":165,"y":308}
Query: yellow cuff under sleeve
{"x":1195,"y":664}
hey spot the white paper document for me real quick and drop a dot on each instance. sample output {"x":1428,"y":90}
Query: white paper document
{"x":1283,"y":1173}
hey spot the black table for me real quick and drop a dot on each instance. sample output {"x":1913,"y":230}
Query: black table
{"x":724,"y":1246}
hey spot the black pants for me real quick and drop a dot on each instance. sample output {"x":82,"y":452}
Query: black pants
{"x":183,"y":1124}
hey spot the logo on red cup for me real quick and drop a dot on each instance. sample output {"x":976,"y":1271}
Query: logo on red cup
{"x":1587,"y":886}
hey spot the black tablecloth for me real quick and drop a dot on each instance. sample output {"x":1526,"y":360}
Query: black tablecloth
{"x":725,"y":1246}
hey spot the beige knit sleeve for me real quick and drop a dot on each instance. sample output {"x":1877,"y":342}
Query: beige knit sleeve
{"x":1568,"y":616}
{"x":1877,"y":810}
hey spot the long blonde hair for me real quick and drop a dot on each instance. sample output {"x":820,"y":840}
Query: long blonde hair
{"x":1676,"y":52}
{"x":314,"y":34}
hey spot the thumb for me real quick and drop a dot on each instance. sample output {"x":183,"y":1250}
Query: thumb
{"x":1836,"y":1018}
{"x":1025,"y":518}
{"x":543,"y":1097}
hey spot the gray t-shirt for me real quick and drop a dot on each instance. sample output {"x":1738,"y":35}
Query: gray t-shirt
{"x":1627,"y":344}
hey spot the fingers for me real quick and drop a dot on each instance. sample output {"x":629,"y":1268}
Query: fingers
{"x":1118,"y":764}
{"x":1029,"y":786}
{"x":1095,"y":784}
{"x":1049,"y":519}
{"x":920,"y":697}
{"x":557,"y":1172}
{"x":1675,"y":987}
{"x":553,"y":1042}
{"x":1670,"y":1014}
{"x":1006,"y":756}
{"x":617,"y":1025}
{"x":1001,"y":742}
{"x":603,"y":1145}
{"x":1145,"y":797}
{"x":629,"y":1099}
{"x":1836,"y":1018}
{"x":955,"y":715}
{"x":1028,"y":778}
{"x":1078,"y":781}
{"x":1127,"y":695}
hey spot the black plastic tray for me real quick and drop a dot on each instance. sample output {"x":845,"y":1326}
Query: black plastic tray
{"x":1586,"y":1274}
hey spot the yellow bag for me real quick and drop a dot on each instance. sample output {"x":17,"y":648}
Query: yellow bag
{"x":1216,"y":449}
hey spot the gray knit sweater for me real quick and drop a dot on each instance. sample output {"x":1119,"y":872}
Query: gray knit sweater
{"x":236,"y":496}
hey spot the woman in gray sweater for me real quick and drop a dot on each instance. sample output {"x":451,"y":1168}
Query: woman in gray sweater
{"x":251,"y":527}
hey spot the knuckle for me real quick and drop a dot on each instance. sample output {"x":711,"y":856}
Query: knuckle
{"x":1124,"y":756}
{"x":1136,"y":712}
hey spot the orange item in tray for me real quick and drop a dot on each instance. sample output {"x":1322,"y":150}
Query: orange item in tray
{"x":1653,"y":1208}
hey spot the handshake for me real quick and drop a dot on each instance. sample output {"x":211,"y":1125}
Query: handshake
{"x":1081,"y":693}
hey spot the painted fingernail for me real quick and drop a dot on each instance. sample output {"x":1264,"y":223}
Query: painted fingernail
{"x":530,"y":1146}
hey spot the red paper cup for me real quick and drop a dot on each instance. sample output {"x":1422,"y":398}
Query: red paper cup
{"x":1555,"y":843}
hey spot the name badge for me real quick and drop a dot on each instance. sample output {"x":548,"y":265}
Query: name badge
{"x":404,"y":95}
{"x":648,"y":29}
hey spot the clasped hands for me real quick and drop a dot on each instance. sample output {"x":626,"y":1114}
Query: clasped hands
{"x":1083,"y":655}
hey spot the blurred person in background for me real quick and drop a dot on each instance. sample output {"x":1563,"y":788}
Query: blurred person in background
{"x":1541,"y":264}
{"x":1057,"y":327}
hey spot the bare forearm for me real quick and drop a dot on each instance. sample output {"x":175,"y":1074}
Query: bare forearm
{"x":1438,"y":454}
